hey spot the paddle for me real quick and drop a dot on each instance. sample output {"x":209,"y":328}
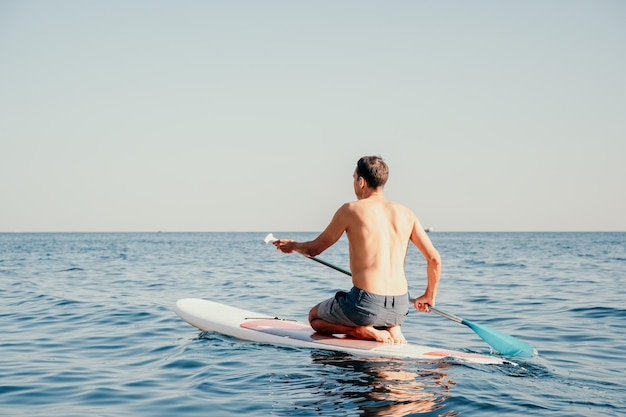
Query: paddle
{"x":501,"y":342}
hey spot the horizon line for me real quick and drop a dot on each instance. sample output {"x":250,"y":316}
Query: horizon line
{"x":300,"y":231}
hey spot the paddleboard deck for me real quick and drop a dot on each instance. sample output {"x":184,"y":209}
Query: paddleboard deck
{"x":247,"y":325}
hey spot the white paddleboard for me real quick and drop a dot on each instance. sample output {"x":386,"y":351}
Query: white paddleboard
{"x":257,"y":327}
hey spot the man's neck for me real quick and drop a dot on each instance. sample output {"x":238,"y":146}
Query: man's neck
{"x":371,"y":193}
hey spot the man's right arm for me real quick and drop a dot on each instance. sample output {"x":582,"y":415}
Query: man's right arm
{"x":327,"y":238}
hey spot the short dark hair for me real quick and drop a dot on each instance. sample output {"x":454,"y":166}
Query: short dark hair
{"x":373,"y":170}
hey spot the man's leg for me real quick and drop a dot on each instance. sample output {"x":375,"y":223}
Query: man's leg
{"x":359,"y":332}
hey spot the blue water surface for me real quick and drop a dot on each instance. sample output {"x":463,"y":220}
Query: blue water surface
{"x":87,"y":327}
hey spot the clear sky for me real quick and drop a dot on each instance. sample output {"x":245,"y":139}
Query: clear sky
{"x":251,"y":115}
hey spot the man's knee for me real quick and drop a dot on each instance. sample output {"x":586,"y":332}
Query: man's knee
{"x":313,"y":314}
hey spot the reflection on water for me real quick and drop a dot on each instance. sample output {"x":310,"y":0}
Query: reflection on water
{"x":345,"y":385}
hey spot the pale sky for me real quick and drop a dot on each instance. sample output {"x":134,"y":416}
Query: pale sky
{"x":251,"y":115}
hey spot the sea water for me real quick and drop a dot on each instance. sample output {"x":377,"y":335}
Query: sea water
{"x":87,"y":327}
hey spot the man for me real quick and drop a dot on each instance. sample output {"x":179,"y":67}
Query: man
{"x":378,"y":232}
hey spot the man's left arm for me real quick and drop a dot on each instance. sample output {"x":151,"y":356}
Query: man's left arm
{"x":433,"y":268}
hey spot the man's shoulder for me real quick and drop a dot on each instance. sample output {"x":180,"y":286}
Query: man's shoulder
{"x":365,"y":204}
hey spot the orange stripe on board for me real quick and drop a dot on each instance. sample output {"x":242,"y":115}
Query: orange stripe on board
{"x":456,"y":355}
{"x":265,"y":324}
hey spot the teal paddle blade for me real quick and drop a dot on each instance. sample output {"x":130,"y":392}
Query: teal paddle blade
{"x":502,"y":343}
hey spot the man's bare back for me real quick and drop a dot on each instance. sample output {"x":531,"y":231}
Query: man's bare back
{"x":378,"y":232}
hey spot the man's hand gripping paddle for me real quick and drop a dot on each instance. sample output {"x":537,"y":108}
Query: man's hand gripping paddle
{"x":501,"y":342}
{"x":270,"y":238}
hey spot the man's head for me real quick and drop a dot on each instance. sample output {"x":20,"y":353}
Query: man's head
{"x":373,"y":170}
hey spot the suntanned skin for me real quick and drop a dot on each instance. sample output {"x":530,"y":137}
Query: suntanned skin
{"x":378,"y":231}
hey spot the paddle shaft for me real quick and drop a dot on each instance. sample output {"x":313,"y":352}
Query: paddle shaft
{"x":446,"y":315}
{"x":336,"y":268}
{"x":431,"y":308}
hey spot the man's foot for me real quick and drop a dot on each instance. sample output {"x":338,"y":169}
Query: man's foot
{"x":389,"y":335}
{"x":371,"y":333}
{"x":396,"y":334}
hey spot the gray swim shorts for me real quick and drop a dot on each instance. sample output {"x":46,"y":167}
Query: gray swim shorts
{"x":362,"y":308}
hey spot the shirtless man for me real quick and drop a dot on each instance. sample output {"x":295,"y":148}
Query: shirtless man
{"x":378,"y":232}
